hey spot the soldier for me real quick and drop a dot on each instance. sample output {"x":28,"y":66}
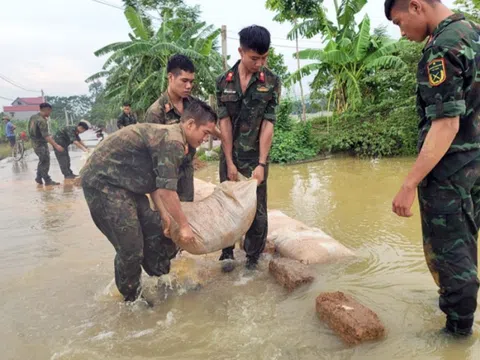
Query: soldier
{"x":169,"y":108}
{"x":247,"y":96}
{"x":139,"y":160}
{"x":38,"y":131}
{"x":65,"y":137}
{"x":447,"y":170}
{"x":126,"y":118}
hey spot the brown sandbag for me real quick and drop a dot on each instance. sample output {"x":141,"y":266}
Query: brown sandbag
{"x":220,"y":219}
{"x":297,"y":241}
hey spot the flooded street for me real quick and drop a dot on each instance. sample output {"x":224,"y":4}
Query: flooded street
{"x":56,"y":271}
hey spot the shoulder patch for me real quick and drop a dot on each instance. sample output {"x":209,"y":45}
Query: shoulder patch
{"x":437,"y":72}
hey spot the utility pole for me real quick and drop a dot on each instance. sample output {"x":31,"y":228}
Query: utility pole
{"x":224,"y":47}
{"x":66,"y":116}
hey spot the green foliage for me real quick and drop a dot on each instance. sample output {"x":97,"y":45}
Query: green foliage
{"x":276,"y":63}
{"x":293,"y":141}
{"x":471,"y":9}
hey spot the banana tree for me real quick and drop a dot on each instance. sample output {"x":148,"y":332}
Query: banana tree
{"x":136,"y":70}
{"x":344,"y":61}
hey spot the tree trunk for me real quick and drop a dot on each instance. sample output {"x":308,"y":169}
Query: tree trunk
{"x":304,"y":108}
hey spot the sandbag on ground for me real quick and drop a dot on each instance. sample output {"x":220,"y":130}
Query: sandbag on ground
{"x":220,"y":219}
{"x":297,"y":241}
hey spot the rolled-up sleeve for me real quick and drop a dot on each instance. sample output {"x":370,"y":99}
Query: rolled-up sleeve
{"x":270,"y":111}
{"x":221,"y":107}
{"x":441,"y":82}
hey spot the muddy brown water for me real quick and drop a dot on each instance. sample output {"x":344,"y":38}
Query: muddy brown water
{"x":58,"y":301}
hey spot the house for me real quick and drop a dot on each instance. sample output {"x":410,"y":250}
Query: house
{"x":24,"y":108}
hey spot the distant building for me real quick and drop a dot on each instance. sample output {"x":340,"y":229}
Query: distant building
{"x":23,"y":108}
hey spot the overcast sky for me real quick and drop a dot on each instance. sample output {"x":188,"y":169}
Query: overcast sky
{"x":49,"y":44}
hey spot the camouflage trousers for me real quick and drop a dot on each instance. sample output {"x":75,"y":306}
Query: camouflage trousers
{"x":450,"y":212}
{"x":63,"y":159}
{"x":43,"y":154}
{"x":256,"y":236}
{"x":135,"y":231}
{"x":185,"y":189}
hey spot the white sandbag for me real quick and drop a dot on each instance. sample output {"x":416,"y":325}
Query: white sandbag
{"x":295,"y":240}
{"x":202,"y":188}
{"x":220,"y":219}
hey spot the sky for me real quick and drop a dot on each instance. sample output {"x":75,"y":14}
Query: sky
{"x":49,"y":44}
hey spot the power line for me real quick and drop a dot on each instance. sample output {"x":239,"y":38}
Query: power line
{"x":283,"y":39}
{"x":2,"y":97}
{"x":3,"y":77}
{"x":121,"y":8}
{"x":283,"y":46}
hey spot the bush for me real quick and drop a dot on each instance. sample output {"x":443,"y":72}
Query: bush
{"x":292,"y":141}
{"x":385,"y":129}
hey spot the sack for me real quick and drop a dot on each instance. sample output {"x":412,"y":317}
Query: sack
{"x":297,"y":241}
{"x":220,"y":219}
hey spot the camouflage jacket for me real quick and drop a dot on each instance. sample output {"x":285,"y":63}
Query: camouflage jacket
{"x":125,"y":120}
{"x":38,"y":129}
{"x":139,"y":158}
{"x":67,"y":136}
{"x":448,"y":85}
{"x":163,"y":112}
{"x":247,"y":111}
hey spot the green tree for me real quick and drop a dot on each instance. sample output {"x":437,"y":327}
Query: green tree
{"x":471,"y":9}
{"x":276,"y":63}
{"x":292,"y":11}
{"x":136,"y":69}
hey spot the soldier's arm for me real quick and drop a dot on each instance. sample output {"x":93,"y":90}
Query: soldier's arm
{"x":225,"y":124}
{"x":269,"y":119}
{"x":80,"y":146}
{"x":120,"y":122}
{"x":444,"y":99}
{"x":43,"y":126}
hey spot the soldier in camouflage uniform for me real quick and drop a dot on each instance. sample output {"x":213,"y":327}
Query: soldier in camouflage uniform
{"x":447,"y":171}
{"x":139,"y":160}
{"x":168,"y":110}
{"x":247,"y":96}
{"x":126,"y":118}
{"x":65,"y":137}
{"x":38,"y":132}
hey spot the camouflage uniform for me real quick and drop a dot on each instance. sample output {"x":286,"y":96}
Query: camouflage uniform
{"x":125,"y":120}
{"x":163,"y":112}
{"x":247,"y":112}
{"x":65,"y":137}
{"x":124,"y":167}
{"x":449,"y":86}
{"x":38,"y":131}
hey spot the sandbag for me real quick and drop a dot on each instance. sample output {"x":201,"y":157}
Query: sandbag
{"x":220,"y":219}
{"x":297,"y":241}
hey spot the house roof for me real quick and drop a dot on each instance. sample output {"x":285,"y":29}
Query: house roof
{"x":32,"y":100}
{"x":21,"y":108}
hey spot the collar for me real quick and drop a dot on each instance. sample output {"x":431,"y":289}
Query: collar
{"x":170,"y":106}
{"x":182,"y":132}
{"x":236,"y":72}
{"x":444,"y":23}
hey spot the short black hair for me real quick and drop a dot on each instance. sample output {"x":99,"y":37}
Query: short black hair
{"x":83,"y":124}
{"x":255,"y":38}
{"x":126,"y":103}
{"x":179,"y":62}
{"x":45,"y":106}
{"x":199,"y":111}
{"x":403,"y":4}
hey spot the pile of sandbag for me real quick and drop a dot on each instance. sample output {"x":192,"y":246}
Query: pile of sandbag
{"x":220,"y":219}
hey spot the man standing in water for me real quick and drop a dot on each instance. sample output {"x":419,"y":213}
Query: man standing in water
{"x":65,"y":137}
{"x":38,"y":131}
{"x":139,"y":160}
{"x":126,"y":118}
{"x":247,"y":96}
{"x":447,"y":170}
{"x":168,"y":110}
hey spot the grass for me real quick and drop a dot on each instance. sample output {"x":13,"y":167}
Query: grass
{"x":5,"y":151}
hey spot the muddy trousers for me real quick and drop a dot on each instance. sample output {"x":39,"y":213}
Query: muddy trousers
{"x":256,"y":236}
{"x":43,"y":167}
{"x":450,"y":212}
{"x":63,"y":159}
{"x":135,"y":232}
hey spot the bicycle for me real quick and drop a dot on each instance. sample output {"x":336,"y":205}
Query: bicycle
{"x":18,"y":150}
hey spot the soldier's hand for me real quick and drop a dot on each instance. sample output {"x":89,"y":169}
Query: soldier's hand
{"x":186,"y":235}
{"x":403,"y":202}
{"x":166,"y":226}
{"x":60,"y":148}
{"x":259,"y":174}
{"x":232,"y":172}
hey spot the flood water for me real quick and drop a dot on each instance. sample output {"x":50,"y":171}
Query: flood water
{"x":58,"y":303}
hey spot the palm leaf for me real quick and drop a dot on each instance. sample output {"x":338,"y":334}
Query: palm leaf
{"x":136,"y":23}
{"x":362,"y":41}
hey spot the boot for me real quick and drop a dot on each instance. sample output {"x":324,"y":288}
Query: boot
{"x":39,"y":180}
{"x":252,"y":263}
{"x":228,"y":264}
{"x":50,"y":182}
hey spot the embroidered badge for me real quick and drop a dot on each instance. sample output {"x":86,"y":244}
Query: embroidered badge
{"x":437,"y":73}
{"x":262,"y":76}
{"x":227,"y":91}
{"x":230,"y":77}
{"x":263,"y":89}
